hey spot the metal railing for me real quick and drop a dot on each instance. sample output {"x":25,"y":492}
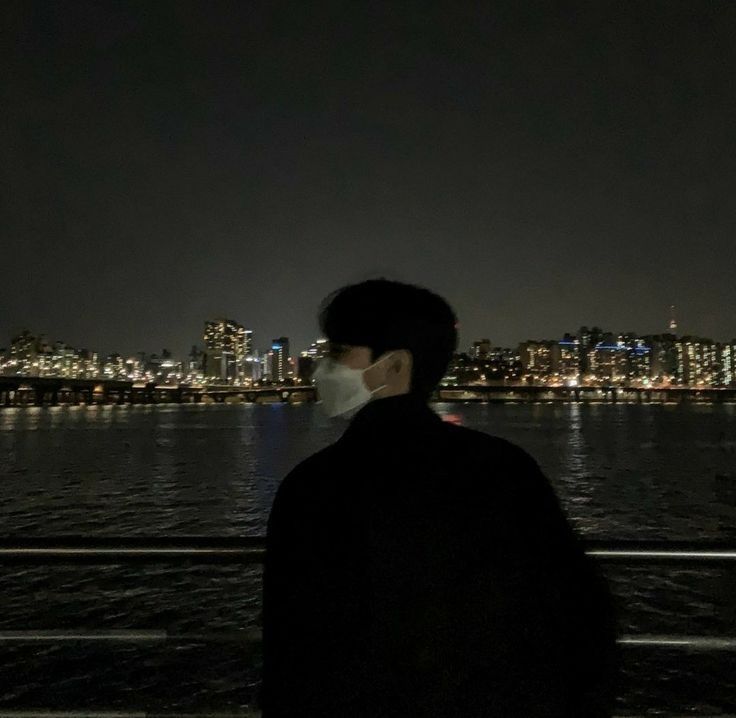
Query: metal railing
{"x":251,"y":550}
{"x":193,"y":550}
{"x":113,"y":550}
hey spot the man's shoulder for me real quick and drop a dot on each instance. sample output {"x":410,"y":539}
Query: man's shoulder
{"x":311,"y":468}
{"x":484,"y":444}
{"x":317,"y":460}
{"x":470,"y":447}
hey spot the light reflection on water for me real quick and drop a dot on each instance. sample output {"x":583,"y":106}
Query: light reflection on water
{"x":621,"y":471}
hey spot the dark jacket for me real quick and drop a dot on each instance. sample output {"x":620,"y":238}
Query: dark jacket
{"x":416,"y":568}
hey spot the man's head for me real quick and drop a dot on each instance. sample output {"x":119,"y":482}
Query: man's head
{"x":409,"y":329}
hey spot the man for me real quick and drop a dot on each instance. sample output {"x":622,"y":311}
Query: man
{"x":416,"y":568}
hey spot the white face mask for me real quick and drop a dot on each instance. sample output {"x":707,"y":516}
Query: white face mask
{"x":342,"y":390}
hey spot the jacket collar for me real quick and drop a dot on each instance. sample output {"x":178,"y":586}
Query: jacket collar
{"x":406,"y":412}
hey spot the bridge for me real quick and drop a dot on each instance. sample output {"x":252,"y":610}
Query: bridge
{"x":51,"y":391}
{"x":638,"y":394}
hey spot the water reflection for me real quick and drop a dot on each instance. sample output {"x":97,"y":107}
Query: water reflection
{"x":621,"y":471}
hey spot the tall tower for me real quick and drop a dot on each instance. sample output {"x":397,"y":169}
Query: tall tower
{"x":280,"y":359}
{"x":673,"y":321}
{"x":225,"y":342}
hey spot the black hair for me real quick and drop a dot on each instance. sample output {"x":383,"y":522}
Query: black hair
{"x":382,"y":314}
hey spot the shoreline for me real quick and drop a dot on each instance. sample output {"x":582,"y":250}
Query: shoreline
{"x":597,"y":401}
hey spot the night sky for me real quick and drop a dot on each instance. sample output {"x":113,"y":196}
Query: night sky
{"x":543,"y":166}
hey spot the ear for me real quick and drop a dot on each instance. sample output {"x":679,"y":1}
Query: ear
{"x":402,"y":362}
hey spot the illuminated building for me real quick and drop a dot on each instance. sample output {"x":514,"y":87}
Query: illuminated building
{"x":697,"y":361}
{"x":248,"y":343}
{"x":565,"y":367}
{"x":481,"y":349}
{"x":664,"y":358}
{"x":34,"y":356}
{"x":23,"y":353}
{"x":133,"y":368}
{"x":267,"y":366}
{"x":536,"y":360}
{"x":317,"y":349}
{"x":169,"y":371}
{"x":679,"y":363}
{"x":195,"y":365}
{"x":463,"y":370}
{"x":451,"y":377}
{"x":484,"y":365}
{"x":114,"y":367}
{"x":308,"y":358}
{"x":225,"y":349}
{"x":639,"y":359}
{"x":280,"y":364}
{"x":608,"y":361}
{"x":89,"y":363}
{"x":254,"y":367}
{"x":64,"y":361}
{"x":588,"y":339}
{"x":727,"y":364}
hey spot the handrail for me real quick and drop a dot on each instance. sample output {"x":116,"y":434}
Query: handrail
{"x":700,"y":552}
{"x":251,"y":714}
{"x":107,"y":550}
{"x":253,"y":637}
{"x":252,"y":549}
{"x":133,"y":714}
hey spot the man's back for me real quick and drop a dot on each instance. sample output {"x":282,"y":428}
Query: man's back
{"x":416,"y":568}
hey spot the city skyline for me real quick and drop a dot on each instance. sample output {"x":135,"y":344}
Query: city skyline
{"x":304,"y":338}
{"x":254,"y":349}
{"x":173,"y":161}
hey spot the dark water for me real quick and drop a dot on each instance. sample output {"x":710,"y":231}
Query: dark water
{"x":621,"y":471}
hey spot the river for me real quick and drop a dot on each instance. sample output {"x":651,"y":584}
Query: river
{"x":621,"y":471}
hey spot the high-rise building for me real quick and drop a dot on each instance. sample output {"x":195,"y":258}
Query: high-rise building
{"x":253,"y":367}
{"x":608,"y":361}
{"x":588,"y":339}
{"x":248,"y":348}
{"x":114,"y":367}
{"x":663,"y":362}
{"x":266,"y":363}
{"x":727,"y":364}
{"x":169,"y":371}
{"x":89,"y":363}
{"x":307,"y":359}
{"x":247,"y":370}
{"x":680,"y":351}
{"x":64,"y":360}
{"x":195,"y":364}
{"x":697,"y":361}
{"x":280,"y":364}
{"x":481,"y":349}
{"x":23,"y":353}
{"x":566,"y":360}
{"x":225,"y":349}
{"x":639,"y":361}
{"x":317,"y":349}
{"x":536,"y":360}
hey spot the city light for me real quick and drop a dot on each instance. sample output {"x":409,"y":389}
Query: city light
{"x":590,"y":358}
